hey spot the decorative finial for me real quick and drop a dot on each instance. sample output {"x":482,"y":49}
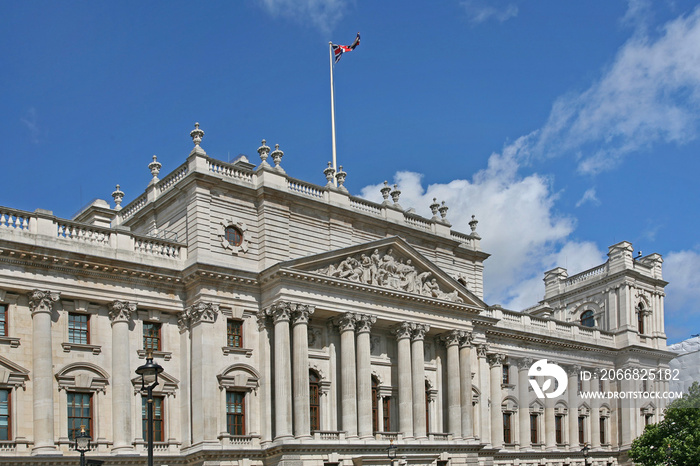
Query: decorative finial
{"x":118,"y":195}
{"x":197,"y":134}
{"x":330,"y":174}
{"x":277,"y":155}
{"x":443,"y":210}
{"x":434,"y":208}
{"x":473,"y":223}
{"x":395,"y":194}
{"x":264,"y":150}
{"x":385,"y":192}
{"x":340,"y":176}
{"x":155,"y":168}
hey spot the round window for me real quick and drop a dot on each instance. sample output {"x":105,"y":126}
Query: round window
{"x":234,"y":236}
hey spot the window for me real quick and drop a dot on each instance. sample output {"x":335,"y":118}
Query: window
{"x":151,"y":336}
{"x":79,"y":329}
{"x":587,"y":319}
{"x":506,"y":428}
{"x":234,"y":333}
{"x":314,"y":401}
{"x":233,"y":235}
{"x":581,"y":430}
{"x":235,"y":413}
{"x":648,"y":419}
{"x":506,"y":377}
{"x":602,"y":430}
{"x":79,"y":413}
{"x":386,"y":414}
{"x":158,"y":418}
{"x":640,"y":319}
{"x":534,"y":430}
{"x":580,"y":385}
{"x":558,"y":433}
{"x":3,"y":320}
{"x":375,"y":406}
{"x":427,"y":407}
{"x":5,"y":414}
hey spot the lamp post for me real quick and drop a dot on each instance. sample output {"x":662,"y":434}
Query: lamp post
{"x":585,"y":450}
{"x":82,"y":443}
{"x":149,"y":379}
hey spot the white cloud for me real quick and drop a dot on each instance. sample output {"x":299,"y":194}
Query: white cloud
{"x":588,"y":196}
{"x":30,"y":121}
{"x":480,"y":11}
{"x":323,"y":14}
{"x":682,"y":271}
{"x":650,"y":94}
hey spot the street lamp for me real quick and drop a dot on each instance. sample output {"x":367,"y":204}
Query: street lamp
{"x":149,"y":379}
{"x":82,"y":443}
{"x":391,"y":451}
{"x":585,"y":453}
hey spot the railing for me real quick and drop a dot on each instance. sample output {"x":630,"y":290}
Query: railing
{"x":239,"y":440}
{"x":229,"y":171}
{"x":83,"y":233}
{"x":167,"y":182}
{"x":157,"y":247}
{"x":589,"y":332}
{"x":511,"y":317}
{"x":535,"y":322}
{"x":461,"y":237}
{"x":306,"y":189}
{"x":365,"y":206}
{"x":133,"y":207}
{"x":14,"y":219}
{"x":387,"y":436}
{"x":8,"y":447}
{"x":438,"y":436}
{"x":417,"y":221}
{"x":327,"y":435}
{"x":579,"y":277}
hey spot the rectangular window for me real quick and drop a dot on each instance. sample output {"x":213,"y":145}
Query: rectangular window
{"x":506,"y":377}
{"x":602,"y":431}
{"x":5,"y":418}
{"x":386,"y":414}
{"x":235,"y":413}
{"x":558,"y":434}
{"x":581,"y":430}
{"x":3,"y":320}
{"x":151,"y":336}
{"x":506,"y":428}
{"x":534,"y":430}
{"x":158,"y":418}
{"x":315,"y":404}
{"x":79,"y":329}
{"x":234,"y":333}
{"x":79,"y":413}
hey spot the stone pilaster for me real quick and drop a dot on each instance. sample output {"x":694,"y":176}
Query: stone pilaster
{"x":300,"y":366}
{"x":281,"y":314}
{"x":524,"y":402}
{"x":405,"y":385}
{"x":201,"y":317}
{"x":41,"y":305}
{"x":572,"y":390}
{"x":266,"y":389}
{"x":185,"y":420}
{"x":550,"y":434}
{"x":363,"y":327}
{"x":420,"y":428}
{"x":485,"y":388}
{"x":348,"y":374}
{"x":120,"y":313}
{"x":465,"y":376}
{"x":454,"y":403}
{"x":496,"y":361}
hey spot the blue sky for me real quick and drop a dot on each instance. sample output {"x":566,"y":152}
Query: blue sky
{"x":565,"y":127}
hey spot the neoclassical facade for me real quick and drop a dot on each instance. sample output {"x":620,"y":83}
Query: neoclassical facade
{"x":298,"y":324}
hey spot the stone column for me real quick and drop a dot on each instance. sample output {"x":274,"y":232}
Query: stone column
{"x":266,"y":376}
{"x":418,"y":377}
{"x":454,"y":391}
{"x":348,"y":375}
{"x":122,"y":391}
{"x":300,"y":365}
{"x":572,"y":389}
{"x":550,"y":434}
{"x":496,"y":363}
{"x":185,"y":420}
{"x":205,"y":411}
{"x":484,"y":387}
{"x":405,"y":385}
{"x":281,"y":313}
{"x":524,"y":402}
{"x":41,"y":304}
{"x":465,"y":384}
{"x":364,"y":375}
{"x":592,"y":386}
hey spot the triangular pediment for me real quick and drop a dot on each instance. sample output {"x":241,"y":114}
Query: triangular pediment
{"x":12,"y":373}
{"x":391,"y":264}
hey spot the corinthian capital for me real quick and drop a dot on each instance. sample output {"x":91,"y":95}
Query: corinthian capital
{"x":280,"y":311}
{"x":419,"y":331}
{"x":346,"y":321}
{"x":496,"y":359}
{"x":42,"y":301}
{"x":202,"y":312}
{"x":403,"y":330}
{"x":481,"y":350}
{"x":301,"y":313}
{"x":364,"y":323}
{"x":451,"y":338}
{"x":466,"y":339}
{"x":120,"y":311}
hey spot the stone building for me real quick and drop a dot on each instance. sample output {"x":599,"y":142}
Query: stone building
{"x":298,"y":324}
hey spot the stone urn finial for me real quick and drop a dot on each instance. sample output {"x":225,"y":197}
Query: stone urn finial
{"x":155,"y":168}
{"x":434,"y":208}
{"x":473,"y":223}
{"x":330,"y":174}
{"x":264,"y":150}
{"x":386,"y":189}
{"x":395,"y":194}
{"x":277,"y":155}
{"x":340,"y":176}
{"x":118,"y":196}
{"x":197,"y":134}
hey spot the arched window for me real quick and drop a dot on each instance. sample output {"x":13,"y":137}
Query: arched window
{"x":587,"y":319}
{"x":314,"y":400}
{"x":640,"y":318}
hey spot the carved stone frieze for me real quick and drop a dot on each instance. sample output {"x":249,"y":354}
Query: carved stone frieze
{"x":42,"y":301}
{"x":387,"y":271}
{"x":120,"y":311}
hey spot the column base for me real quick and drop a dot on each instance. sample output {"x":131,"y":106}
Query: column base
{"x":48,"y":450}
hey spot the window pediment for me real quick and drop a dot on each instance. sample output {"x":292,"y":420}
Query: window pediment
{"x":12,"y":373}
{"x":85,"y":376}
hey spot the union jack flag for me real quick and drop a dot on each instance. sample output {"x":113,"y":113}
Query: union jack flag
{"x":338,"y":50}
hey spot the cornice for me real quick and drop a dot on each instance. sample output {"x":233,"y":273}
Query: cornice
{"x":548,"y":341}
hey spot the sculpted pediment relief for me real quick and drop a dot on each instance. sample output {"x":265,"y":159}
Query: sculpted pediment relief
{"x":386,"y":269}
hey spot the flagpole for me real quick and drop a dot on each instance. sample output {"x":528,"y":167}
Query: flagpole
{"x":335,"y":168}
